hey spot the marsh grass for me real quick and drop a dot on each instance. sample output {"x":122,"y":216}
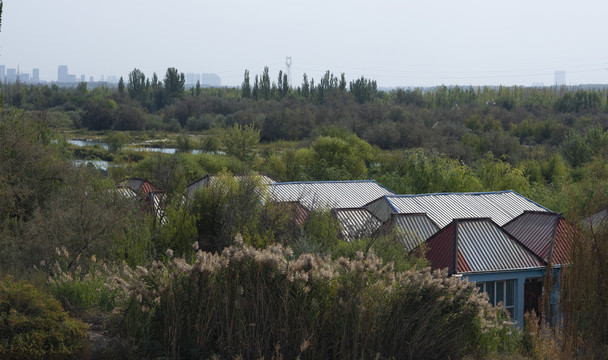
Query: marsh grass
{"x":252,"y":303}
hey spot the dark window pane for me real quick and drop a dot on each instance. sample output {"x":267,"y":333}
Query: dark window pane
{"x":500,"y":292}
{"x":509,"y":300}
{"x":490,"y":291}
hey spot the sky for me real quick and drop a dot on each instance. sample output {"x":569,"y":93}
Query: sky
{"x":402,"y":43}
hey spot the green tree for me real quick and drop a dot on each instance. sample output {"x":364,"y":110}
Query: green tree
{"x":174,"y":84}
{"x":137,"y":86}
{"x":576,"y":148}
{"x":305,"y":87}
{"x":265,"y":85}
{"x":364,"y":90}
{"x":246,"y":87}
{"x":121,"y":86}
{"x":241,"y":141}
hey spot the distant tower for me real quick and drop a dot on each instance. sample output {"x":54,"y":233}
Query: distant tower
{"x":560,"y":78}
{"x":288,"y":63}
{"x":35,"y":76}
{"x":62,"y":73}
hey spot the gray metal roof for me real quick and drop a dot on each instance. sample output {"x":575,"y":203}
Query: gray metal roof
{"x":597,"y":221}
{"x":485,"y":246}
{"x":316,"y":195}
{"x":412,"y":229}
{"x":356,"y":223}
{"x":500,"y":206}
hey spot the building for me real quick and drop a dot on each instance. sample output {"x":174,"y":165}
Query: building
{"x":11,"y":75}
{"x":210,"y":80}
{"x":327,"y":195}
{"x":192,"y":78}
{"x":62,"y":73}
{"x":356,"y":223}
{"x":442,"y":208}
{"x":35,"y":76}
{"x":551,"y":237}
{"x":478,"y":249}
{"x":409,"y":229}
{"x":560,"y":78}
{"x":24,"y":78}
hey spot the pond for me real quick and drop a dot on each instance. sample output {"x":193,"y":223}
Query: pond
{"x":164,"y":150}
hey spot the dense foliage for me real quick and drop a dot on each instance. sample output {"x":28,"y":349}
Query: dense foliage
{"x":549,"y":144}
{"x":34,"y":326}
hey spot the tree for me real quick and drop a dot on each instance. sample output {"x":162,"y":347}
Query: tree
{"x":241,"y":142}
{"x":265,"y":84}
{"x":174,"y":84}
{"x":363,"y":89}
{"x":305,"y":87}
{"x":137,"y":86}
{"x":256,"y":88}
{"x":121,"y":86}
{"x":246,"y":87}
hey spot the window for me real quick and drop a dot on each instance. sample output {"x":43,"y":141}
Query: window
{"x":500,"y":291}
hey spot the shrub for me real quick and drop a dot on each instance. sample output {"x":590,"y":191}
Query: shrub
{"x":256,"y":303}
{"x":34,"y":326}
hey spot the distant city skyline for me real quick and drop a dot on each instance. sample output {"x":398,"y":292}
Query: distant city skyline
{"x":397,"y":43}
{"x":63,"y":76}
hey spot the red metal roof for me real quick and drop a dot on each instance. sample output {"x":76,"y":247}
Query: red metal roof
{"x":546,"y":234}
{"x":441,"y":249}
{"x":478,"y":245}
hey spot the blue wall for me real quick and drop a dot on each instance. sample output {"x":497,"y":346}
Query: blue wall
{"x":519,"y":276}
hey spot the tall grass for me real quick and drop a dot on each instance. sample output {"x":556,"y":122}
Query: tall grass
{"x":585,"y":295}
{"x":253,"y":303}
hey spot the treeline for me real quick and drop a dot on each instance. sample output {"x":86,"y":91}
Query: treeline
{"x":462,"y":122}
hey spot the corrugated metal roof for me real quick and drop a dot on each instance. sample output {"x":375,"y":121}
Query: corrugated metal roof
{"x":411,"y":229}
{"x":212,"y":178}
{"x":318,"y":195}
{"x":565,"y":235}
{"x":139,"y":185}
{"x":500,"y":206}
{"x":546,"y":234}
{"x":597,"y":221}
{"x":482,"y":246}
{"x":441,"y":249}
{"x":356,"y":223}
{"x":126,"y":192}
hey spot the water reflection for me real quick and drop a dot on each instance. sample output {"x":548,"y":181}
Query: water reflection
{"x":83,"y":143}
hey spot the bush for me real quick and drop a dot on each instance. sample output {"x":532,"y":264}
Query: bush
{"x":34,"y":326}
{"x":259,"y":303}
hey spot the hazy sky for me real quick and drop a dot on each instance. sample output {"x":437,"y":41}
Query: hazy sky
{"x":397,"y":43}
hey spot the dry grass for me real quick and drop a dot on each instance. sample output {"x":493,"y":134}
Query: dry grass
{"x":269,"y":304}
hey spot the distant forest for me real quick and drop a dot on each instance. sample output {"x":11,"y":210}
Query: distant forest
{"x":549,"y":144}
{"x":544,"y":138}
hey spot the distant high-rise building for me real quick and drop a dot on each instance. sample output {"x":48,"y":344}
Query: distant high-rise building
{"x":211,"y":80}
{"x":82,"y":78}
{"x":35,"y":76}
{"x":192,"y":78}
{"x":11,"y":75}
{"x":24,"y":78}
{"x":62,"y":73}
{"x":2,"y":73}
{"x":91,"y":79}
{"x":560,"y":78}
